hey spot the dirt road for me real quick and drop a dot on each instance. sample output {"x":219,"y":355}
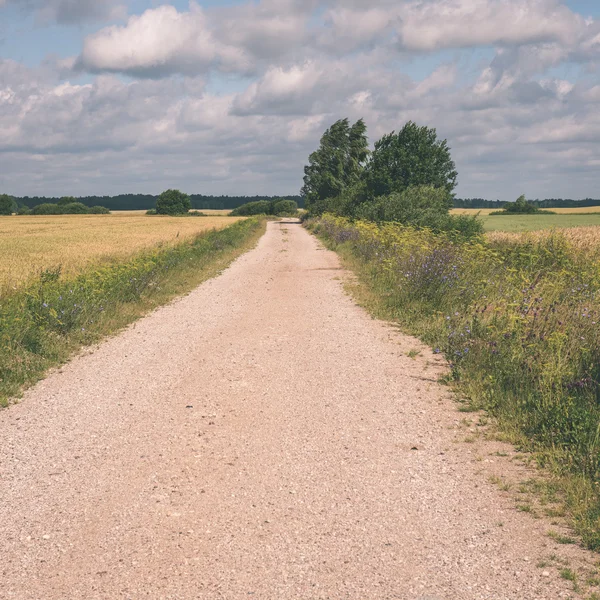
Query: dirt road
{"x":261,"y":438}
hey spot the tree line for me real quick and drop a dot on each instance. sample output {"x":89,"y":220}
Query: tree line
{"x":148,"y":201}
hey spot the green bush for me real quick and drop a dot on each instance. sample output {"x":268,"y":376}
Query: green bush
{"x":46,"y":209}
{"x":74,"y":208}
{"x":24,"y":210}
{"x":262,"y":207}
{"x":173,"y":202}
{"x":521,"y":207}
{"x":98,"y":210}
{"x":151,"y":212}
{"x":7,"y":205}
{"x":67,"y":200}
{"x":282,"y":208}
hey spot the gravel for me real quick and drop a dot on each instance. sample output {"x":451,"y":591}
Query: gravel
{"x":262,"y":437}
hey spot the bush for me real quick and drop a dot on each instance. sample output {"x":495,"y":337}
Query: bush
{"x":521,"y":207}
{"x":46,"y":209}
{"x":262,"y":207}
{"x":24,"y":211}
{"x":282,"y":208}
{"x":98,"y":210}
{"x":74,"y":208}
{"x":7,"y":205}
{"x":173,"y":202}
{"x":67,"y":200}
{"x":151,"y":212}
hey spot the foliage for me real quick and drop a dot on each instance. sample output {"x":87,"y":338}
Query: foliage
{"x":518,"y":323}
{"x":337,"y":164}
{"x":173,"y":202}
{"x":74,"y":208}
{"x":151,"y":212}
{"x":23,"y":211}
{"x":521,"y":207}
{"x":98,"y":210}
{"x":282,"y":208}
{"x":67,"y":200}
{"x":262,"y":207}
{"x":414,"y":205}
{"x":412,"y":157}
{"x":46,"y":209}
{"x":7,"y":205}
{"x":277,"y":207}
{"x":68,"y":208}
{"x":42,"y":324}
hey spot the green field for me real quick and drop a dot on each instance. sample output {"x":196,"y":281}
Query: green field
{"x":537,"y":222}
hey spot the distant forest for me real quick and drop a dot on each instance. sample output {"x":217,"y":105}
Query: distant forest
{"x":548,"y":203}
{"x":146,"y":201}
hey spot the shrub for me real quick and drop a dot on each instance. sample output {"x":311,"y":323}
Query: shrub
{"x":282,"y":208}
{"x":66,"y":200}
{"x":98,"y":210}
{"x":173,"y":202}
{"x":262,"y":207}
{"x":24,"y":210}
{"x":151,"y":212}
{"x":74,"y":208}
{"x":46,"y":209}
{"x":521,"y":207}
{"x":7,"y":205}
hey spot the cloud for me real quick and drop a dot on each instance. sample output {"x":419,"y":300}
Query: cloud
{"x":159,"y":42}
{"x":184,"y":115}
{"x":427,"y":26}
{"x":70,"y":12}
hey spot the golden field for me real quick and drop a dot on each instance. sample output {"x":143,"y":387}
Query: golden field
{"x":584,"y":238}
{"x":559,"y":211}
{"x":75,"y":242}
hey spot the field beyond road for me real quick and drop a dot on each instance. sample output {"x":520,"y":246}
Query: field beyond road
{"x":261,"y":437}
{"x":30,"y":244}
{"x":563,"y":219}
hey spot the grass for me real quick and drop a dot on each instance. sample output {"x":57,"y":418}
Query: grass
{"x":44,"y":322}
{"x":29,"y":245}
{"x":518,"y":322}
{"x":565,"y":218}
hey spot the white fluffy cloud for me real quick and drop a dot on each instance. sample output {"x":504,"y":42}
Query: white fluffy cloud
{"x":159,"y":42}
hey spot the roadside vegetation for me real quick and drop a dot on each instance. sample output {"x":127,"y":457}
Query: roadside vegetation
{"x":45,"y":321}
{"x":517,"y":316}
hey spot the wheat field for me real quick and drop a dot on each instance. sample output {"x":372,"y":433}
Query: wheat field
{"x":76,"y":242}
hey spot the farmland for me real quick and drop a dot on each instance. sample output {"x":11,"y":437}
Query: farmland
{"x":76,"y":242}
{"x":564,"y":218}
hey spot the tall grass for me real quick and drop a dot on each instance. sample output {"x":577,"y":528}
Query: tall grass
{"x":518,"y":323}
{"x":43,"y":323}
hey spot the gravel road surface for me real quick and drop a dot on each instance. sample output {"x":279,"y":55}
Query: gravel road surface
{"x":262,"y":438}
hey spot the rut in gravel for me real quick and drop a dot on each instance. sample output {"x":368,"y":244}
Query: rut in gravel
{"x":262,"y":437}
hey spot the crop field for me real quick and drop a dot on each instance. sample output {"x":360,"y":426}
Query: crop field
{"x":565,"y":218}
{"x":29,"y":245}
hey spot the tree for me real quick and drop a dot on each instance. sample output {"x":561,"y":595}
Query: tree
{"x":67,"y":200}
{"x":7,"y":205}
{"x":412,"y":157}
{"x":522,"y":206}
{"x":338,"y":162}
{"x":173,"y":202}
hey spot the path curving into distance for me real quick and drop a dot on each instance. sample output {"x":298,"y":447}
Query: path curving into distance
{"x":261,"y":438}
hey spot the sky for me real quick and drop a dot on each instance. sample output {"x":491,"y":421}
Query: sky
{"x":101,"y":97}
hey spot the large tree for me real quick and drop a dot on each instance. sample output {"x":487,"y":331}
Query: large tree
{"x":412,"y":157}
{"x":338,"y":163}
{"x":173,"y":202}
